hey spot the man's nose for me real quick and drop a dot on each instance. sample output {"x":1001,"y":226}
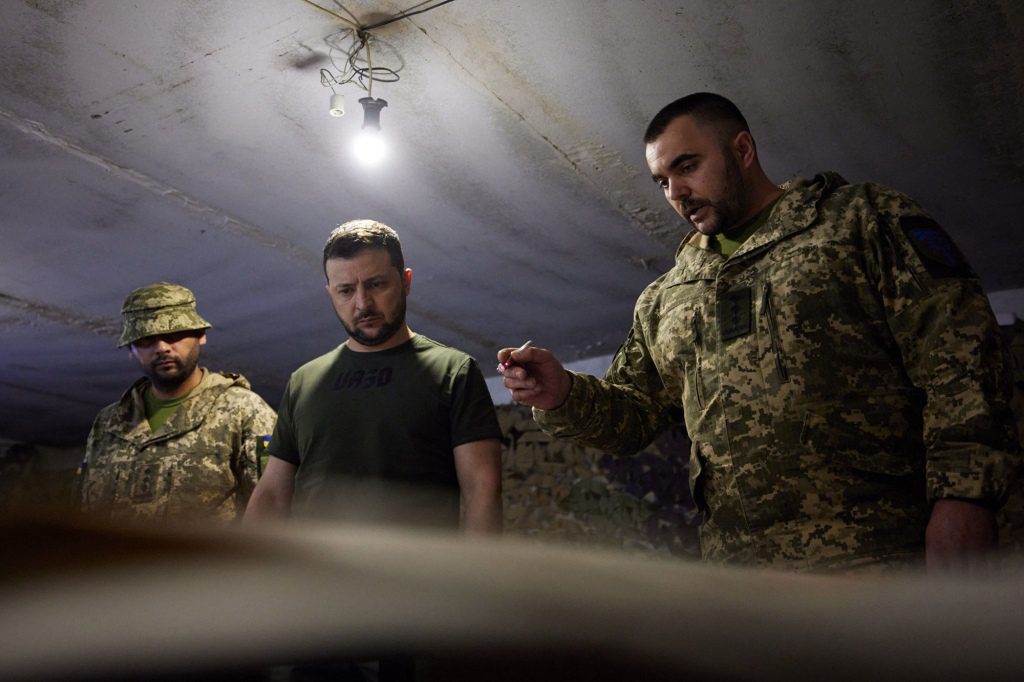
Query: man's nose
{"x":678,"y":190}
{"x":361,"y":298}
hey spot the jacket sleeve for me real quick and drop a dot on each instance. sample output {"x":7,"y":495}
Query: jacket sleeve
{"x":257,"y":426}
{"x":952,"y":350}
{"x":623,"y":412}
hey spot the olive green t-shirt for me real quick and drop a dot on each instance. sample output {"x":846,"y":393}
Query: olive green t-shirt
{"x":352,"y":421}
{"x":159,"y":411}
{"x":729,"y":242}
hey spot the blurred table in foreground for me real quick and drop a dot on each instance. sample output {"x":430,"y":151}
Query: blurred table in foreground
{"x":84,"y":602}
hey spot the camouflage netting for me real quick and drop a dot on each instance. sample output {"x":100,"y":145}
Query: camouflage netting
{"x":556,"y":490}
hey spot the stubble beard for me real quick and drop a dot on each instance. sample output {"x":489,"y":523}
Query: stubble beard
{"x":728,"y":209}
{"x":386,"y":331}
{"x":166,"y":380}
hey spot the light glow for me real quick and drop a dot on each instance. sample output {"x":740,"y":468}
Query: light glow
{"x":369,"y":147}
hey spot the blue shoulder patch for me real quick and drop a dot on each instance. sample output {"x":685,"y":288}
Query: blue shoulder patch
{"x":937,"y":251}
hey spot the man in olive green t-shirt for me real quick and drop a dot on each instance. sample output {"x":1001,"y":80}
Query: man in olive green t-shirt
{"x":390,"y":425}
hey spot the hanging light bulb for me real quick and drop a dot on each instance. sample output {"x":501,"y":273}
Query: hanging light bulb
{"x":371,"y":111}
{"x":369,"y":146}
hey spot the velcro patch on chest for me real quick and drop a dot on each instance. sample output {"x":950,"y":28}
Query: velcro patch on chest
{"x":144,"y":482}
{"x":734,"y":313}
{"x":937,"y":251}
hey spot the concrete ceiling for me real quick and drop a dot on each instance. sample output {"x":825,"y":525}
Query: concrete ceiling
{"x":188,"y":140}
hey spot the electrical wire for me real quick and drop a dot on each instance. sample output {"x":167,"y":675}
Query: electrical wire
{"x":351,"y":72}
{"x":354,"y":23}
{"x":349,"y":69}
{"x":369,"y":63}
{"x":336,"y":42}
{"x":404,"y":15}
{"x":345,"y":10}
{"x":345,"y":74}
{"x":333,"y":14}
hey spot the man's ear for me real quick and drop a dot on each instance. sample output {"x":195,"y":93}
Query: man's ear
{"x":744,"y":148}
{"x":407,"y":280}
{"x":202,"y":338}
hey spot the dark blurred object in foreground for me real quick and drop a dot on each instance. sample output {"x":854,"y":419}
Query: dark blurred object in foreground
{"x":82,"y":602}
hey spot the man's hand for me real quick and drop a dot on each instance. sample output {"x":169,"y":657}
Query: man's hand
{"x":959,"y":537}
{"x":535,"y":377}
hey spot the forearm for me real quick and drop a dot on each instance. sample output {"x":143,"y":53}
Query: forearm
{"x":478,"y":466}
{"x":272,"y":498}
{"x":606,"y":416}
{"x":482,"y":512}
{"x":266,"y":504}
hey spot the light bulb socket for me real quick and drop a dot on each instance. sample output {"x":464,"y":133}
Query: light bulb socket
{"x":371,"y":111}
{"x":337,"y":105}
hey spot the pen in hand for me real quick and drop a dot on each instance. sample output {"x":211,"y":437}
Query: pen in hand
{"x":508,"y":361}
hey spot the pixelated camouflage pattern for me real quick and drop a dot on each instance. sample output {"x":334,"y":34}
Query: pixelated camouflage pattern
{"x":161,"y":308}
{"x":832,"y":386}
{"x":201,"y":464}
{"x":1011,"y":516}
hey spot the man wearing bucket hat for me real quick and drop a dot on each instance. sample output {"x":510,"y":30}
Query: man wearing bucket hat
{"x":183,"y":443}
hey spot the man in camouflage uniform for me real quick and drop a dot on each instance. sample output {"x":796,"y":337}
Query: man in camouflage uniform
{"x":183,"y":443}
{"x":836,"y":362}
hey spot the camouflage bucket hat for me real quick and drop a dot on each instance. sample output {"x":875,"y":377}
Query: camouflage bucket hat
{"x":161,"y":308}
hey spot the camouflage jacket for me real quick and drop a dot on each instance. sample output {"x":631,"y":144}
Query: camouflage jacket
{"x":837,"y":373}
{"x":201,"y":464}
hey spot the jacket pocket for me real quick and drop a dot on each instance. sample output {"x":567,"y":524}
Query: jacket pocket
{"x":676,"y":348}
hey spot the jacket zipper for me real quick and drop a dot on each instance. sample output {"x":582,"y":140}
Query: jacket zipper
{"x":698,"y":391}
{"x":768,"y":311}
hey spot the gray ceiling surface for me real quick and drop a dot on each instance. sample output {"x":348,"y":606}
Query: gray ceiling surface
{"x":190,"y":141}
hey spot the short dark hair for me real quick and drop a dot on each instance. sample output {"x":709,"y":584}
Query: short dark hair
{"x":350,"y":238}
{"x":706,"y":108}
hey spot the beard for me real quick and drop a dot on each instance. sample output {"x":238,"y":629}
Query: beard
{"x":169,"y":378}
{"x":727,"y":210}
{"x":386,"y":330}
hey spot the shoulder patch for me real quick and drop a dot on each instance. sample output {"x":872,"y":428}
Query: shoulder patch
{"x":262,"y":442}
{"x":937,"y":251}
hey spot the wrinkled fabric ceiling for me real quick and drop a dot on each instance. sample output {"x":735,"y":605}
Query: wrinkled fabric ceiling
{"x":190,"y":141}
